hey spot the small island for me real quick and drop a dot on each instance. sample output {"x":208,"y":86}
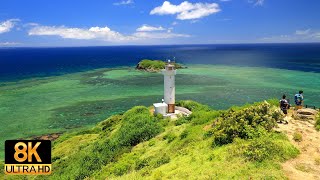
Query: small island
{"x":155,"y":65}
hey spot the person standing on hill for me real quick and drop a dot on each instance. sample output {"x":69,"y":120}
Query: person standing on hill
{"x":298,"y":99}
{"x":284,"y":106}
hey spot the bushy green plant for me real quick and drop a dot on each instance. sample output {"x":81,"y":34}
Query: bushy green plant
{"x":193,"y":106}
{"x":201,"y":114}
{"x":184,"y":134}
{"x":317,"y":125}
{"x":164,"y":159}
{"x":141,"y":163}
{"x":245,"y":124}
{"x":138,"y":125}
{"x":182,"y":120}
{"x":110,"y":122}
{"x":169,"y":137}
{"x":202,"y":117}
{"x":297,"y":136}
{"x":152,"y":64}
{"x":268,"y":147}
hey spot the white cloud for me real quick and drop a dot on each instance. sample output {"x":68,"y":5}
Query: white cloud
{"x":31,"y":24}
{"x":257,"y":2}
{"x":156,"y":35}
{"x":124,"y":2}
{"x":9,"y":43}
{"x":174,"y":23}
{"x":102,"y":33}
{"x":146,"y":27}
{"x":186,"y":10}
{"x":7,"y":25}
{"x":303,"y":32}
{"x":299,"y":36}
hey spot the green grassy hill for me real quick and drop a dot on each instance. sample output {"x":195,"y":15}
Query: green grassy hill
{"x":236,"y":143}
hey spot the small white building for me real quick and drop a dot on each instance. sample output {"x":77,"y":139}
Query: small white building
{"x":160,"y":108}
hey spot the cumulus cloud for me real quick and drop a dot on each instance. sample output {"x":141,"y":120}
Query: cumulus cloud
{"x":103,"y":33}
{"x":186,"y":10}
{"x":7,"y":25}
{"x":146,"y":27}
{"x":124,"y":2}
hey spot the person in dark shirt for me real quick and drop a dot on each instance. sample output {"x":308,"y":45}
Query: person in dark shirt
{"x":284,"y":106}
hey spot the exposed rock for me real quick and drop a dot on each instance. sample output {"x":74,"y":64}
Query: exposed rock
{"x":305,"y":114}
{"x":307,"y":111}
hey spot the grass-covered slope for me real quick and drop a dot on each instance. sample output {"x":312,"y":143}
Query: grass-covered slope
{"x":154,"y":65}
{"x":237,"y":143}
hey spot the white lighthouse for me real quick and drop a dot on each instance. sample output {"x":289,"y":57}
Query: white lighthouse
{"x":169,"y":86}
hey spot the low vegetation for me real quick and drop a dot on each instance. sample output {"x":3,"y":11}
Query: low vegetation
{"x":238,"y":143}
{"x":248,"y":123}
{"x":297,"y":136}
{"x":317,"y":125}
{"x":154,"y":65}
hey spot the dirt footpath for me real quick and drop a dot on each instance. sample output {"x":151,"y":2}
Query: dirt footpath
{"x":307,"y":165}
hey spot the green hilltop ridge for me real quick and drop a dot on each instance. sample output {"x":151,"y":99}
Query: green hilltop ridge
{"x":154,"y":65}
{"x":236,"y":143}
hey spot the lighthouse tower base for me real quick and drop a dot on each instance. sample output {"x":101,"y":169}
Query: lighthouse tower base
{"x":171,"y":108}
{"x":161,"y":108}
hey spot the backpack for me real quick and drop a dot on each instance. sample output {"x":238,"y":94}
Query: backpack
{"x":297,"y":99}
{"x":283,"y":104}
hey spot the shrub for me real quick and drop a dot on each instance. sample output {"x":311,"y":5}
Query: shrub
{"x":119,"y":169}
{"x":184,"y":134}
{"x":164,"y":159}
{"x":182,"y":120}
{"x":268,"y":147}
{"x":170,"y":137}
{"x":297,"y":136}
{"x":193,"y":106}
{"x":259,"y":149}
{"x":317,"y":125}
{"x":110,"y":122}
{"x":201,"y":114}
{"x":141,"y":163}
{"x":202,"y":117}
{"x":138,"y":125}
{"x":245,"y":124}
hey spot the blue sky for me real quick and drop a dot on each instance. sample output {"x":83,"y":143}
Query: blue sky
{"x":135,"y":22}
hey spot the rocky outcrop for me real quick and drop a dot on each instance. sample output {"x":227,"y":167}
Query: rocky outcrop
{"x":305,"y":114}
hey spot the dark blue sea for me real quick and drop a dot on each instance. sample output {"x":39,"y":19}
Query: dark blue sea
{"x":20,"y":63}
